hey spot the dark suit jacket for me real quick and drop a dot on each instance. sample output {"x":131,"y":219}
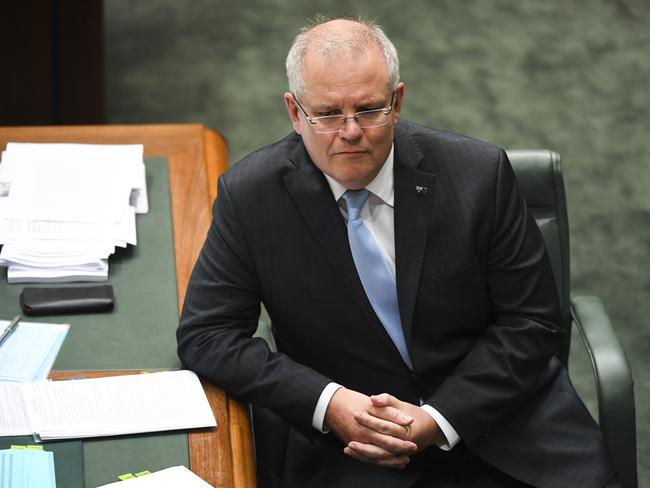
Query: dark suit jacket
{"x":477,"y":299}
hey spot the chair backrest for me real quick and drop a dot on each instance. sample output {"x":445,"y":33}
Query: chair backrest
{"x":539,"y":174}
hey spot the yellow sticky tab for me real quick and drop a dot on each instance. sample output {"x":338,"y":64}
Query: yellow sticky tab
{"x":142,"y":473}
{"x":15,"y":447}
{"x":126,"y":476}
{"x":34,"y":448}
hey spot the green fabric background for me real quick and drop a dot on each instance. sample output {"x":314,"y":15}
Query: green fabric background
{"x":566,"y":75}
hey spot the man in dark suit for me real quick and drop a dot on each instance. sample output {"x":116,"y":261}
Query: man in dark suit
{"x":411,"y":297}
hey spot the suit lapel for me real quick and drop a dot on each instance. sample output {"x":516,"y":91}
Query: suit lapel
{"x":313,"y":198}
{"x":414,"y":200}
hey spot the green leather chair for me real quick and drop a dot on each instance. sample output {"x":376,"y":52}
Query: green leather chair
{"x":540,"y":177}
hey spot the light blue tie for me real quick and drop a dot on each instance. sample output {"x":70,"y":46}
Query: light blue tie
{"x":377,"y":279}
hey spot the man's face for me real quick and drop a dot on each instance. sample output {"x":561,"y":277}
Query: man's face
{"x":345,"y":85}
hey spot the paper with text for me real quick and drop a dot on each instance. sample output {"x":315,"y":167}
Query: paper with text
{"x":117,"y":405}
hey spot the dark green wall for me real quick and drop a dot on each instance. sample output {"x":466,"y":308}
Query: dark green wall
{"x":567,"y":75}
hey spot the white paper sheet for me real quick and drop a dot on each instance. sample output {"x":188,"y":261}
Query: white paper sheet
{"x":125,"y":159}
{"x":117,"y":405}
{"x":12,"y":230}
{"x":68,"y":191}
{"x":17,"y":273}
{"x":63,"y":192}
{"x":13,"y":410}
{"x":175,"y":477}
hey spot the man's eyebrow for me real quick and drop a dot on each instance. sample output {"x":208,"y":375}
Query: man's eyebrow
{"x":374,"y":103}
{"x":325,"y":107}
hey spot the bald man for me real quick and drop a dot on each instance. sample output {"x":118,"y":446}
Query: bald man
{"x":412,"y":299}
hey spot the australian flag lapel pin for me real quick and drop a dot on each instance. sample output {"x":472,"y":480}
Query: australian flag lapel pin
{"x":421,"y":190}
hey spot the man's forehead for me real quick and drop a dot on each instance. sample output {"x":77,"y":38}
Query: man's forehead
{"x":347,"y":73}
{"x":340,"y":33}
{"x":333,"y":51}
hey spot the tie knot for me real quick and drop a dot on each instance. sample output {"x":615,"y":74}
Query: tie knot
{"x":354,"y":201}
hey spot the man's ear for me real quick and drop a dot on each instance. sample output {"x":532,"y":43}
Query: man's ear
{"x":399,"y":97}
{"x":292,"y":109}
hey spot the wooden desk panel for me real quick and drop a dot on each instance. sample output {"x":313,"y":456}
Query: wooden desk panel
{"x":196,"y":156}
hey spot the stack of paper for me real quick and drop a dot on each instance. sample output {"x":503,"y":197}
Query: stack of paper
{"x":64,"y":208}
{"x":117,"y":405}
{"x":165,"y":478}
{"x":28,"y":353}
{"x":26,"y":468}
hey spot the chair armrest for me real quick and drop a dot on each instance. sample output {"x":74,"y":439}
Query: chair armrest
{"x":264,"y":330}
{"x":614,"y":384}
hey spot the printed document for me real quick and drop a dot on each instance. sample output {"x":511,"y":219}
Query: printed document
{"x":116,"y":405}
{"x":55,"y":194}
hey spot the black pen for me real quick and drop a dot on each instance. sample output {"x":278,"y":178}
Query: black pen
{"x":13,"y":325}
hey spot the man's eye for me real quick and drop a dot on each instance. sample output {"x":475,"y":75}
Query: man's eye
{"x":325,"y":114}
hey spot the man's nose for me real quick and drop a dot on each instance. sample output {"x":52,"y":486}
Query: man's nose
{"x":351,"y":129}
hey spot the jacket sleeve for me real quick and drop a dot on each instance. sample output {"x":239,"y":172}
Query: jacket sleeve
{"x":220,"y":316}
{"x":504,"y":367}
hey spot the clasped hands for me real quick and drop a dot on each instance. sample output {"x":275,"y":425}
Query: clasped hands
{"x":380,"y":429}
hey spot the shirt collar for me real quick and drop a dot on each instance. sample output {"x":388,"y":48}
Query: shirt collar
{"x":382,"y":185}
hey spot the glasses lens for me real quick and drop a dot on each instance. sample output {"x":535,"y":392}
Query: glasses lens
{"x":366,"y":120}
{"x":372,"y":118}
{"x":329,"y":124}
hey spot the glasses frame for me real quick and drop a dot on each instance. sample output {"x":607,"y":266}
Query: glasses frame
{"x":344,"y":118}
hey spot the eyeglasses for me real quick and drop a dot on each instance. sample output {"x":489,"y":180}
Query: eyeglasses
{"x":366,"y":119}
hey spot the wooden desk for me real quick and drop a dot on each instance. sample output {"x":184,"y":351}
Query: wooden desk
{"x":196,"y":157}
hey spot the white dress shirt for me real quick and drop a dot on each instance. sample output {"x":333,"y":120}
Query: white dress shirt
{"x":378,"y":216}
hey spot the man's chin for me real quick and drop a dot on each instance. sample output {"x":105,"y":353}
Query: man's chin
{"x":355,"y":180}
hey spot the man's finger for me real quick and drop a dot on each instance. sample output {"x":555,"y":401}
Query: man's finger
{"x":369,"y":453}
{"x":388,"y":463}
{"x":383,"y":400}
{"x":391,"y":413}
{"x":382,"y":426}
{"x":398,"y":444}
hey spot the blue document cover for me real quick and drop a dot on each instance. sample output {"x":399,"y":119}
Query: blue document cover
{"x":68,"y":460}
{"x":29,"y":352}
{"x":27,"y":468}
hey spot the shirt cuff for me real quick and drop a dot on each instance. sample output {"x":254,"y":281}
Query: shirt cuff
{"x":318,"y":420}
{"x":450,"y":433}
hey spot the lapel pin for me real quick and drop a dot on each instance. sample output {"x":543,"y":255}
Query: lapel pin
{"x":421,"y":190}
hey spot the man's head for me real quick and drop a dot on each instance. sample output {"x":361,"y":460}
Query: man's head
{"x":343,"y":67}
